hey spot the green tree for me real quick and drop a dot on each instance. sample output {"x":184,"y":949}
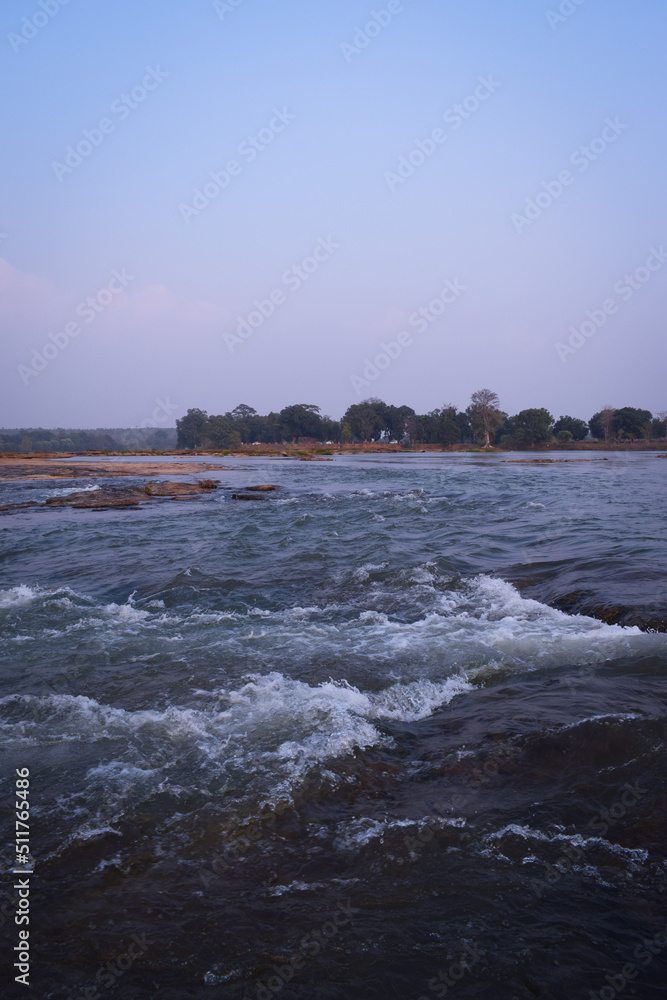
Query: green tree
{"x":190,"y":427}
{"x":272,"y":430}
{"x":247,"y":422}
{"x":530,"y":427}
{"x":366,"y":420}
{"x":659,"y":427}
{"x":440,"y":426}
{"x":577,"y":428}
{"x":397,"y":422}
{"x":221,"y":432}
{"x":485,"y":415}
{"x":601,"y":423}
{"x":331,"y":429}
{"x":465,"y":427}
{"x":243,"y":412}
{"x":301,"y":420}
{"x":630,"y":422}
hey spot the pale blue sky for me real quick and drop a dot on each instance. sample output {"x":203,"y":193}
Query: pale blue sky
{"x":324,"y":177}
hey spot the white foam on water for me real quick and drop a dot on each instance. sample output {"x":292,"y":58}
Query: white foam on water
{"x":17,"y":596}
{"x":608,"y":717}
{"x":634,"y":855}
{"x":363,"y":572}
{"x":92,"y":831}
{"x":126,"y":613}
{"x":67,"y":491}
{"x":484,"y":623}
{"x":117,"y":775}
{"x":280,"y":890}
{"x":261,"y":738}
{"x":416,"y":700}
{"x":357,"y":833}
{"x":25,"y":595}
{"x":492,"y":622}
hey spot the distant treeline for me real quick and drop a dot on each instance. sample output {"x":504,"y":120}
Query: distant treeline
{"x":482,"y":422}
{"x":102,"y":439}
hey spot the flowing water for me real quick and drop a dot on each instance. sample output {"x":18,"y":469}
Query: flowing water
{"x":395,"y":730}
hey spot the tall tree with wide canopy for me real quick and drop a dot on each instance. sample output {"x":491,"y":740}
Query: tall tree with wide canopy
{"x":366,"y":420}
{"x":485,"y":414}
{"x":629,"y":422}
{"x":301,"y":420}
{"x":190,"y":428}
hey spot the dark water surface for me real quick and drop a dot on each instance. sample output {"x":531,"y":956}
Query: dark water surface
{"x":396,"y":730}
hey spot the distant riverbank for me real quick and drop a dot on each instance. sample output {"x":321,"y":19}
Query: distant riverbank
{"x":312,"y":450}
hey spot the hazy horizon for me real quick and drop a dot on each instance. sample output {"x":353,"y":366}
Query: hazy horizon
{"x":452,"y":190}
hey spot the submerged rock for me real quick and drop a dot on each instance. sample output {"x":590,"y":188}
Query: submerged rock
{"x":52,"y":468}
{"x":99,"y":499}
{"x":179,"y":489}
{"x":122,"y":496}
{"x":651,"y":617}
{"x":549,"y":461}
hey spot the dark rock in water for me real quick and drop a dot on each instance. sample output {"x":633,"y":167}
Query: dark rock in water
{"x":261,"y":489}
{"x":548,"y":461}
{"x":123,"y":496}
{"x":99,"y":499}
{"x":648,"y":619}
{"x":244,"y":496}
{"x":179,"y":489}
